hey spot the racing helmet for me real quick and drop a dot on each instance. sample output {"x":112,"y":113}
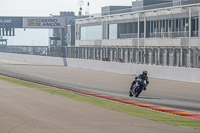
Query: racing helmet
{"x":144,"y":73}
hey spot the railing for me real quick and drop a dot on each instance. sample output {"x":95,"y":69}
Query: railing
{"x":128,"y":35}
{"x":168,"y":34}
{"x":168,"y":56}
{"x":159,"y":35}
{"x":195,"y":34}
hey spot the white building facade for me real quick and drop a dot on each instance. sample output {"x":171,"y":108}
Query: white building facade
{"x":170,"y":25}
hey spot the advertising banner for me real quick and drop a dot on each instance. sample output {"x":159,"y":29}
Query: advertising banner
{"x":44,"y":22}
{"x":10,"y":22}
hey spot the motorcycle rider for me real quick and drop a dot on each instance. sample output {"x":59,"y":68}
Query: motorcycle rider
{"x":143,"y":78}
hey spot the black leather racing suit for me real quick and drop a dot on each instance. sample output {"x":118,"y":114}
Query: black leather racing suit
{"x":142,"y":82}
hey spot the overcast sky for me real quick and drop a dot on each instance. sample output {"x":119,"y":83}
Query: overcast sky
{"x":45,"y":8}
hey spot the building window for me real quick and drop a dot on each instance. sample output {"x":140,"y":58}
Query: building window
{"x":195,"y":26}
{"x":91,"y":32}
{"x":112,"y":31}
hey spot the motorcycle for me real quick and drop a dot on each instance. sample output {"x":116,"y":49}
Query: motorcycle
{"x":137,"y":88}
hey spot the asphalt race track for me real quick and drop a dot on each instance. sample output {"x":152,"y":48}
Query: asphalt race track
{"x":166,"y":93}
{"x":28,"y":110}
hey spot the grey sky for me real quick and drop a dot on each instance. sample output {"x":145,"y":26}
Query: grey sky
{"x":44,"y":8}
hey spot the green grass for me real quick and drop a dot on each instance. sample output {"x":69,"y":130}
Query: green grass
{"x":128,"y":109}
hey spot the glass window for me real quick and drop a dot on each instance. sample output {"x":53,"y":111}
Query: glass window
{"x":91,"y":32}
{"x":152,"y":22}
{"x":187,"y":24}
{"x":112,"y":31}
{"x":177,"y":23}
{"x":3,"y":42}
{"x":167,"y":25}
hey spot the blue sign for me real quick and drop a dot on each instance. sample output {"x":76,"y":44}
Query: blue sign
{"x":11,"y":22}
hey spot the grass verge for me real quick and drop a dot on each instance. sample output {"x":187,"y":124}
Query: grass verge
{"x":128,"y":109}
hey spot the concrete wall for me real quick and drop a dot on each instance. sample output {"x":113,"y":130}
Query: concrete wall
{"x":143,"y":42}
{"x":162,"y":72}
{"x":88,"y":42}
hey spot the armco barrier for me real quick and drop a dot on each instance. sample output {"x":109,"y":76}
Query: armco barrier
{"x":155,"y":71}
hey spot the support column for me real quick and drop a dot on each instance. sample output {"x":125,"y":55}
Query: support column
{"x":165,"y":57}
{"x":198,"y":59}
{"x":137,"y":56}
{"x":126,"y":56}
{"x":111,"y":55}
{"x":71,"y":52}
{"x":181,"y":57}
{"x":117,"y":57}
{"x":104,"y":30}
{"x":147,"y":55}
{"x":158,"y":61}
{"x":75,"y":52}
{"x":66,"y":52}
{"x":177,"y":57}
{"x":151,"y":56}
{"x":82,"y":54}
{"x":121,"y":56}
{"x":98,"y":54}
{"x":80,"y":51}
{"x":101,"y":54}
{"x":106,"y":53}
{"x":188,"y":58}
{"x":145,"y":35}
{"x":190,"y":30}
{"x":192,"y":57}
{"x":94,"y":53}
{"x":144,"y":57}
{"x":199,"y":25}
{"x":115,"y":54}
{"x":145,"y":28}
{"x":156,"y":57}
{"x":173,"y":58}
{"x":138,"y":39}
{"x":86,"y":53}
{"x":78,"y":54}
{"x":132,"y":55}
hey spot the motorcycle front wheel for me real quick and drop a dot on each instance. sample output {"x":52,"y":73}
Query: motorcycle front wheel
{"x":138,"y":90}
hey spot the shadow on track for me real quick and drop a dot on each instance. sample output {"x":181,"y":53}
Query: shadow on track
{"x":142,"y":97}
{"x":28,"y":65}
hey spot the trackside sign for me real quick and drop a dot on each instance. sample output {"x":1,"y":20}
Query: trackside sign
{"x":10,"y":22}
{"x":44,"y":22}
